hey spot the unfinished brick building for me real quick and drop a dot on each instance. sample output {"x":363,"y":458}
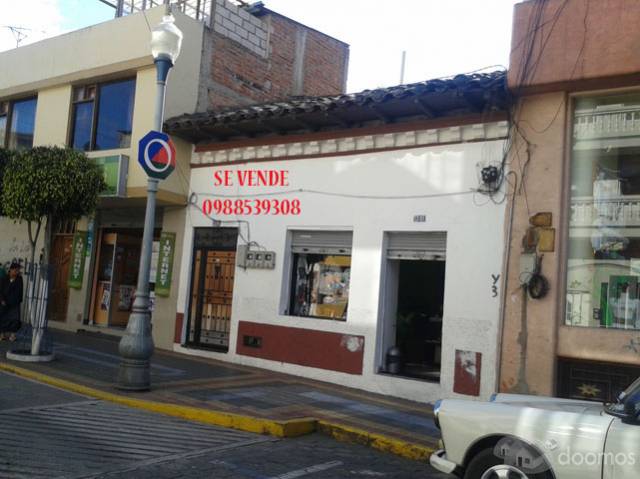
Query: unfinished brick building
{"x":251,"y":54}
{"x":254,"y":54}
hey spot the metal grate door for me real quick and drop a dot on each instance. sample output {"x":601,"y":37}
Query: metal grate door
{"x":212,"y":293}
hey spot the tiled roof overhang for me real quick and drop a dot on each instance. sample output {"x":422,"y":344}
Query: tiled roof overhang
{"x":461,"y":95}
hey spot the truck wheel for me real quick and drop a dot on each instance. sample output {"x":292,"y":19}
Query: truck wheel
{"x":487,"y":465}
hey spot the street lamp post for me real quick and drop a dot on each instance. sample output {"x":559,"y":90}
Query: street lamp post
{"x":136,"y":346}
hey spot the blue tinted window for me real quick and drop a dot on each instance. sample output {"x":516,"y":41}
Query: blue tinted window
{"x":23,"y":118}
{"x":3,"y":129}
{"x":82,"y":119}
{"x":115,"y":113}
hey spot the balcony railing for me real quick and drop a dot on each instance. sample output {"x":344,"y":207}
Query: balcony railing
{"x":199,"y":9}
{"x":610,"y":121}
{"x":617,"y":211}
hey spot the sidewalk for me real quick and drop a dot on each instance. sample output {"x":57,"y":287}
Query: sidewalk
{"x":92,"y":361}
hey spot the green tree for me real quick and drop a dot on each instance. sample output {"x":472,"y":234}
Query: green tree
{"x":49,"y":184}
{"x":43,"y":186}
{"x":5,"y":155}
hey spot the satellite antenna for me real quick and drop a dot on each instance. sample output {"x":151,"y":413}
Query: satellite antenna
{"x":19,"y":33}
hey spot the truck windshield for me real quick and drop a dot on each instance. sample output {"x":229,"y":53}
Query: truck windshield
{"x":628,"y":402}
{"x":632,"y":390}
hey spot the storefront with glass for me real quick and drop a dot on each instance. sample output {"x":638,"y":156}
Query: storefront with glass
{"x":574,"y":215}
{"x":603,"y":248}
{"x":604,"y":228}
{"x":106,"y":250}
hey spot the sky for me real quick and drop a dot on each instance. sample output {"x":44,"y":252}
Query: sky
{"x":440,"y":37}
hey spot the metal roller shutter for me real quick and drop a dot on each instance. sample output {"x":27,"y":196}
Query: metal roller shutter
{"x":321,"y":242}
{"x":417,"y":245}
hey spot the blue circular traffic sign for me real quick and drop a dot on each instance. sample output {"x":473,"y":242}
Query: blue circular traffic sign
{"x":157,"y":155}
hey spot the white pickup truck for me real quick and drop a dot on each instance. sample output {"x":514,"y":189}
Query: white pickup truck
{"x":532,"y":437}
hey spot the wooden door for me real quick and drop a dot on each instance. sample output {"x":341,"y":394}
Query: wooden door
{"x":103,"y":279}
{"x":126,"y":264}
{"x":59,"y":293}
{"x":212,"y":293}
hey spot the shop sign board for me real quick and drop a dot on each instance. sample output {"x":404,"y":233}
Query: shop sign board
{"x":115,"y":169}
{"x":157,"y":155}
{"x":153,"y":267}
{"x":78,"y":250}
{"x":165,"y":264}
{"x":90,"y":231}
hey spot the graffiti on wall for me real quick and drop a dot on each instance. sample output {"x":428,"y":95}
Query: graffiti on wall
{"x":14,"y":250}
{"x":6,"y":264}
{"x":494,"y":285}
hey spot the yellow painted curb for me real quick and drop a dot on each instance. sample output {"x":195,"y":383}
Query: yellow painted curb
{"x":398,"y":447}
{"x":287,"y":428}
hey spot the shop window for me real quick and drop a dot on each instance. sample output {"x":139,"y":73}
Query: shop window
{"x":603,"y":287}
{"x":17,"y":123}
{"x":321,"y":274}
{"x":102,"y":116}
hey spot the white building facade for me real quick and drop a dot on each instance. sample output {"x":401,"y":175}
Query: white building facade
{"x":368,"y":260}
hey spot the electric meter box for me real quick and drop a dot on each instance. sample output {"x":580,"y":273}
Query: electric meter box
{"x":255,"y":259}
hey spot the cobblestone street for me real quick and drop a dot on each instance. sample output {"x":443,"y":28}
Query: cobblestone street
{"x":92,"y":360}
{"x":314,"y":456}
{"x":48,"y":433}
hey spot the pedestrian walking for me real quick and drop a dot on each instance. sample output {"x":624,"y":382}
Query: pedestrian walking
{"x":11,"y":292}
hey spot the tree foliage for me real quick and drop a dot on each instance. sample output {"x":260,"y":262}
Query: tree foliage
{"x":5,"y":155}
{"x":51,"y":182}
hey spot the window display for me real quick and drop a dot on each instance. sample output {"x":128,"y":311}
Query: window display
{"x":320,"y":285}
{"x":604,"y":225}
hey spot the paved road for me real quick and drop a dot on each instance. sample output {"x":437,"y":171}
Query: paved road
{"x":309,"y":457}
{"x":92,"y":360}
{"x":49,"y":433}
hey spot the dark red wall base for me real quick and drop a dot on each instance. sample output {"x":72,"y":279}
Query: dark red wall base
{"x":177,"y":333}
{"x":306,"y":347}
{"x":467,"y":373}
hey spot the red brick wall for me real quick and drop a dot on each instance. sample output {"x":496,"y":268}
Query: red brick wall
{"x":254,"y":79}
{"x":325,"y":65}
{"x":306,"y":347}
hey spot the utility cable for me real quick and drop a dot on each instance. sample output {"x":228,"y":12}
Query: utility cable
{"x":340,"y":195}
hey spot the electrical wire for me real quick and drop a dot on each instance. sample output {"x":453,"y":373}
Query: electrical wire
{"x":340,"y":195}
{"x":238,"y":222}
{"x":526,"y":72}
{"x":543,"y":46}
{"x":144,"y":15}
{"x":573,"y":71}
{"x":517,"y":121}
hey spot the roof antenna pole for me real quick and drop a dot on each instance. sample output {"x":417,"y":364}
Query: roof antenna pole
{"x":402,"y":65}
